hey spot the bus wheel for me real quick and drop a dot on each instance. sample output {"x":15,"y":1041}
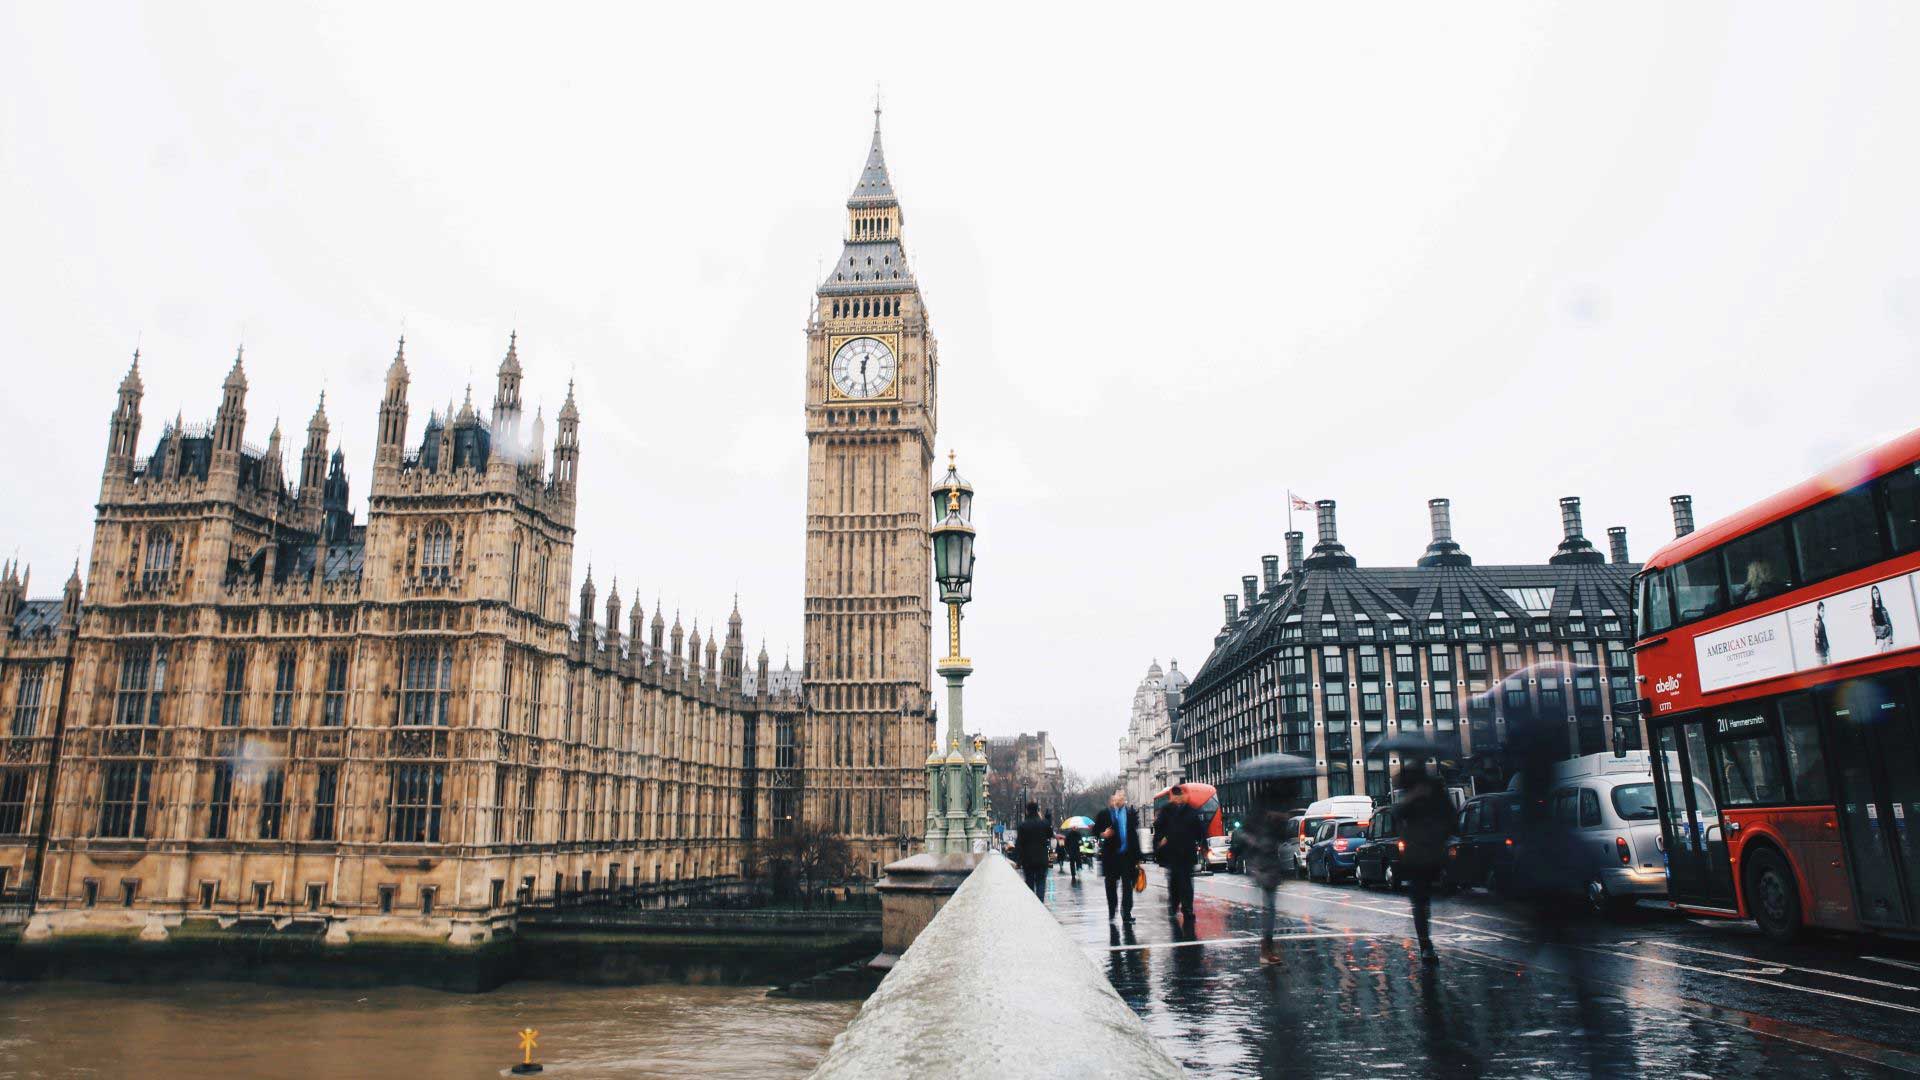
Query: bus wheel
{"x":1772,"y":895}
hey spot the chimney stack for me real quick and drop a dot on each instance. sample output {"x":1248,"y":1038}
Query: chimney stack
{"x":1442,"y":551}
{"x":1296,"y":551}
{"x":1574,"y":548}
{"x":1233,"y":608}
{"x":1250,"y":587}
{"x":1617,"y":542}
{"x":1682,"y":515}
{"x":1269,"y":572}
{"x":1328,"y":551}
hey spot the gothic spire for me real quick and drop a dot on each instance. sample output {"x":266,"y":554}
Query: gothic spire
{"x":132,"y":381}
{"x":875,"y":187}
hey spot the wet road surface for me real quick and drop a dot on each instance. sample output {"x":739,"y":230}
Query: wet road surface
{"x":1652,"y":994}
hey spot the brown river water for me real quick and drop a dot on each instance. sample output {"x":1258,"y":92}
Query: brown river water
{"x":79,"y":1029}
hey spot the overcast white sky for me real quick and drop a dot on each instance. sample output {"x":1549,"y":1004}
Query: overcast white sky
{"x":1177,"y":265}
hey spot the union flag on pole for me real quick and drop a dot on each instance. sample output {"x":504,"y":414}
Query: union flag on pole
{"x":1298,"y":502}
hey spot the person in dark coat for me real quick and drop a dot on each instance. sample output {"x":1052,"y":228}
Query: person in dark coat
{"x":1071,"y":858}
{"x":1030,"y":850}
{"x":1425,"y":816}
{"x":1176,"y":843}
{"x":1261,"y":848}
{"x":1118,"y":827}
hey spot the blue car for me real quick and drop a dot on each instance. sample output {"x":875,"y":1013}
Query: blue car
{"x":1335,"y":849}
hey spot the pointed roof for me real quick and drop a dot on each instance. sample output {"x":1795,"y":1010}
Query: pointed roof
{"x":512,"y":361}
{"x":875,"y":187}
{"x":398,"y":369}
{"x":238,"y":376}
{"x":568,"y":410}
{"x":132,"y":381}
{"x":319,"y":421}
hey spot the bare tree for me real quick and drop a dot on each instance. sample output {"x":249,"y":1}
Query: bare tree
{"x":811,"y":856}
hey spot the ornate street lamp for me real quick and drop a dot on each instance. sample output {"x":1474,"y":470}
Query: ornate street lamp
{"x":956,"y":783}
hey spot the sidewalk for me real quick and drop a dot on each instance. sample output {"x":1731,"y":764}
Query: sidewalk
{"x":1351,"y":998}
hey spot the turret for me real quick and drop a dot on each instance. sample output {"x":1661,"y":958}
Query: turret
{"x":123,"y":431}
{"x":338,"y":521}
{"x":693,"y":647}
{"x":636,"y":630}
{"x":586,"y":605}
{"x":506,"y":401}
{"x":613,"y":617}
{"x":733,"y":657}
{"x":230,"y":423}
{"x":566,"y":445}
{"x":176,"y":448}
{"x":537,"y":442}
{"x":679,"y":639}
{"x":657,"y":638}
{"x":760,"y":671}
{"x":313,"y":460}
{"x":1443,"y":550}
{"x":70,"y":600}
{"x":13,"y":592}
{"x":272,"y":467}
{"x":713,"y":661}
{"x":392,"y":435}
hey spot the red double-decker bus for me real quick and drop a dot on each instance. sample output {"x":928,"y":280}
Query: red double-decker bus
{"x":1777,"y":653}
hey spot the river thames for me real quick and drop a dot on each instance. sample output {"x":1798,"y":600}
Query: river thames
{"x":74,"y":1029}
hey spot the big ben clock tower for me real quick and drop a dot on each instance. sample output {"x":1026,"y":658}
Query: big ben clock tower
{"x":871,"y":365}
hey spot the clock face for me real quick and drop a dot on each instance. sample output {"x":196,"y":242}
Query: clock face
{"x":863,"y":368}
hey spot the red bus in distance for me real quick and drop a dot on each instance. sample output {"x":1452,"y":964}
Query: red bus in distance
{"x":1777,"y":652}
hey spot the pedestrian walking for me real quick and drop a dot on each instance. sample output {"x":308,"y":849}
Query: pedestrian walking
{"x":1176,"y":839}
{"x":1074,"y":855}
{"x":1425,"y":816}
{"x":1030,"y":850}
{"x":1260,"y":848}
{"x":1118,"y":828}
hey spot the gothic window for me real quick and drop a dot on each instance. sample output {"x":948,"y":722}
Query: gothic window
{"x":273,"y":802}
{"x":26,"y":700}
{"x":283,"y":674}
{"x":426,"y":672}
{"x":523,"y":827}
{"x":143,"y":677}
{"x":413,"y":804}
{"x":333,"y":706}
{"x":220,"y":801}
{"x":436,"y":552}
{"x":233,"y":700}
{"x":160,"y":558}
{"x":13,"y":802}
{"x":123,"y":800}
{"x":513,"y":574}
{"x":533,"y":696}
{"x":326,"y":794}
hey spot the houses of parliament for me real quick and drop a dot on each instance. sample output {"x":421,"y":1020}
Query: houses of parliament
{"x":247,"y":704}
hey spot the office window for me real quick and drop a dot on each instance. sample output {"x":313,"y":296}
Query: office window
{"x":1336,"y":700}
{"x":1369,"y":660}
{"x":427,"y":676}
{"x":13,"y":801}
{"x":1407,"y":702}
{"x":1442,"y":700}
{"x":1333,"y":661}
{"x":233,"y":700}
{"x":1552,"y":696}
{"x":220,"y":801}
{"x":283,"y":673}
{"x":143,"y":679}
{"x":123,"y":799}
{"x":1372,"y":697}
{"x":273,"y":802}
{"x":413,"y":804}
{"x":1516,"y":689}
{"x":326,"y":794}
{"x":1403,"y":660}
{"x":26,"y":700}
{"x":333,"y":707}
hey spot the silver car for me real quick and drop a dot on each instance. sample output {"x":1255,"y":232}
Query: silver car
{"x":1614,"y":832}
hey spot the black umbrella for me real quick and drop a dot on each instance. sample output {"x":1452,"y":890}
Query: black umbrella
{"x":1415,"y":746}
{"x":1274,"y":767}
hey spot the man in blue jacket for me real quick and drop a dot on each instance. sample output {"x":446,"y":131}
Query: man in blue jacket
{"x":1118,"y":828}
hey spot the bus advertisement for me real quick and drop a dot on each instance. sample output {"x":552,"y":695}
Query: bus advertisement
{"x":1777,"y":662}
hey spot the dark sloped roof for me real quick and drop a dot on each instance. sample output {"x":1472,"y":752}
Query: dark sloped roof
{"x":1412,"y":594}
{"x":866,"y":265}
{"x":36,"y":617}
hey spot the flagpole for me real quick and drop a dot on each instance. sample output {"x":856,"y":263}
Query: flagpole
{"x":1289,"y":509}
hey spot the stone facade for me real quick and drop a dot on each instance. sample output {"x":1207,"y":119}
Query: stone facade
{"x":1024,"y":768}
{"x":36,"y":655}
{"x":872,"y":365}
{"x":1150,"y":751}
{"x":394,"y":727}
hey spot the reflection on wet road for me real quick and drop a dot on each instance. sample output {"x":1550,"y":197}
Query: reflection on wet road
{"x":1654,"y":995}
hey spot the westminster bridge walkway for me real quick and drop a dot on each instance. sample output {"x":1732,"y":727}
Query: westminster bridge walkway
{"x":1653,"y":995}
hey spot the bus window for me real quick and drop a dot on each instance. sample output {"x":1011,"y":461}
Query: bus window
{"x":1757,"y":564}
{"x":1699,"y":587}
{"x":1656,"y":603}
{"x":1806,"y":765}
{"x":1749,"y":770}
{"x":1837,"y":535}
{"x":1902,"y":487}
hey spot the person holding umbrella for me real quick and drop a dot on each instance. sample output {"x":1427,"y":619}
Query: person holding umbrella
{"x":1425,"y":815}
{"x":1074,"y":829}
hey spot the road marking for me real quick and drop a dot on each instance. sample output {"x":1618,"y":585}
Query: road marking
{"x":1641,"y":957}
{"x":1250,"y":939}
{"x":1894,"y":963}
{"x":1783,"y":966}
{"x":1760,"y":971}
